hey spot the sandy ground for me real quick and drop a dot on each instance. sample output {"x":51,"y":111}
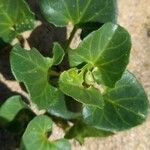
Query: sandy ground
{"x":134,"y":15}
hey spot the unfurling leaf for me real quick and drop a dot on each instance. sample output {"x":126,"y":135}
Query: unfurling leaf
{"x":72,"y":84}
{"x":107,"y":51}
{"x":126,"y":105}
{"x":35,"y":136}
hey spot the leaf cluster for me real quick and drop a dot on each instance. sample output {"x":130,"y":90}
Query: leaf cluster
{"x":92,"y":95}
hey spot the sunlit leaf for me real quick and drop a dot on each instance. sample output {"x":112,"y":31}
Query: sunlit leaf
{"x":15,"y":17}
{"x":31,"y":68}
{"x":72,"y":84}
{"x":58,"y":54}
{"x":11,"y":108}
{"x":107,"y":51}
{"x":62,"y":12}
{"x":35,"y":136}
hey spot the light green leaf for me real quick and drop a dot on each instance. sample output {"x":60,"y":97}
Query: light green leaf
{"x":35,"y":136}
{"x":15,"y":17}
{"x":31,"y":68}
{"x":72,"y":84}
{"x":58,"y":54}
{"x":107,"y":51}
{"x":11,"y":108}
{"x":62,"y":12}
{"x":126,"y":105}
{"x":60,"y":110}
{"x":80,"y":131}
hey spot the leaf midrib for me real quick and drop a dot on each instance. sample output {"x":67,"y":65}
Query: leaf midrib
{"x":121,"y":106}
{"x":106,"y":45}
{"x":84,"y":11}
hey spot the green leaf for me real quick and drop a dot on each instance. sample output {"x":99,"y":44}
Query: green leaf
{"x":107,"y":51}
{"x":31,"y":68}
{"x":72,"y":84}
{"x":11,"y":108}
{"x":35,"y":137}
{"x":62,"y":12}
{"x":126,"y":105}
{"x":60,"y":110}
{"x":58,"y":54}
{"x":80,"y":131}
{"x":15,"y":18}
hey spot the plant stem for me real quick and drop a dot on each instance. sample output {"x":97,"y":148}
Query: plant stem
{"x":21,"y":40}
{"x":70,"y":38}
{"x":54,"y":73}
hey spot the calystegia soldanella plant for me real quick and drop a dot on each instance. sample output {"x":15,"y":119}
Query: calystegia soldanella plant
{"x":87,"y":91}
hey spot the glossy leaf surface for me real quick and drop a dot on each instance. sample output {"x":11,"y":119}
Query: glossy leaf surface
{"x":31,"y":68}
{"x":15,"y":17}
{"x":126,"y":105}
{"x":35,"y":137}
{"x":62,"y":12}
{"x":107,"y":51}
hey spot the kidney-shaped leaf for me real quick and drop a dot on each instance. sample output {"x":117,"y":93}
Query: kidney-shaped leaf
{"x":61,"y":12}
{"x":126,"y":106}
{"x":15,"y":17}
{"x":31,"y":68}
{"x":72,"y":84}
{"x":11,"y":108}
{"x":107,"y":51}
{"x":35,"y":136}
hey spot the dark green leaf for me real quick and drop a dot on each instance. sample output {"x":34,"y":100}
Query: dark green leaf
{"x":62,"y":12}
{"x":15,"y":17}
{"x":106,"y":51}
{"x":80,"y":131}
{"x":126,"y":105}
{"x":35,"y":137}
{"x":31,"y":68}
{"x":58,"y":54}
{"x":60,"y":110}
{"x":11,"y":108}
{"x":72,"y":84}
